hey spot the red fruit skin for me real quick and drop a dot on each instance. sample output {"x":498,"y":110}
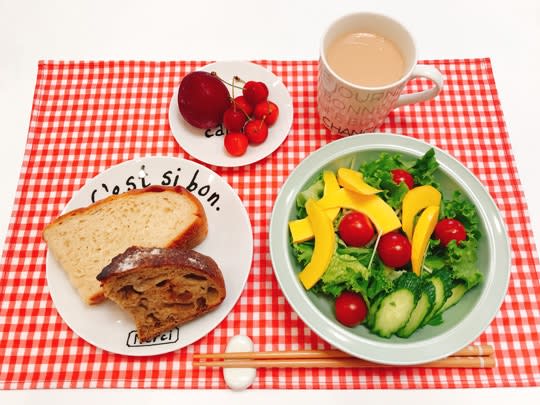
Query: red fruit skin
{"x":267,"y":111}
{"x":449,"y":229}
{"x":356,"y":229}
{"x":351,"y":309}
{"x":255,"y":92}
{"x":236,"y":143}
{"x":234,"y":119}
{"x":256,"y":131}
{"x":202,"y":99}
{"x":241,"y":103}
{"x":400,"y":175}
{"x":394,"y":249}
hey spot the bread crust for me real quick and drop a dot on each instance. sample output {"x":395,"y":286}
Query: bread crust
{"x":190,"y":237}
{"x":97,"y":298}
{"x":140,"y":258}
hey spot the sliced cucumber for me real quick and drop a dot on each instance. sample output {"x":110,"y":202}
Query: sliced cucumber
{"x":422,"y":308}
{"x":409,"y":281}
{"x":395,"y":309}
{"x":394,"y":312}
{"x":458,"y":291}
{"x":374,"y":306}
{"x":442,"y":282}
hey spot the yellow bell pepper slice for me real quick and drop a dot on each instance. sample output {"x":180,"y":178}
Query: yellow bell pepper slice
{"x":354,"y":180}
{"x":324,"y":246}
{"x":301,"y":228}
{"x":379,"y":212}
{"x":422,"y":233}
{"x":415,"y":201}
{"x":330,"y":185}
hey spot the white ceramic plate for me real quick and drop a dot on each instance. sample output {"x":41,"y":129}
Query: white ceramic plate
{"x":210,"y":149}
{"x":106,"y":325}
{"x":463,"y":323}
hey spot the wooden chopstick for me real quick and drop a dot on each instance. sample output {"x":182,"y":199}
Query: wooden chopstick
{"x":481,"y":350}
{"x":449,"y":362}
{"x":469,"y":357}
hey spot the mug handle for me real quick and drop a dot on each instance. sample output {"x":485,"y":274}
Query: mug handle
{"x":430,"y":73}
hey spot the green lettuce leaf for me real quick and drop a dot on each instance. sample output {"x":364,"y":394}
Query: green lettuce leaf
{"x":458,"y":207}
{"x":382,"y":279}
{"x":462,"y":259}
{"x":423,"y":170}
{"x":378,"y":173}
{"x":314,"y":191}
{"x":362,"y":254}
{"x":303,"y":252}
{"x":344,"y":272}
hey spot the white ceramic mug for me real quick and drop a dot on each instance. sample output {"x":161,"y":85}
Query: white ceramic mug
{"x":346,"y":108}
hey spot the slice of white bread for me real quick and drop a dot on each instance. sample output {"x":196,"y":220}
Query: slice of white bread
{"x":163,"y":288}
{"x":85,"y":240}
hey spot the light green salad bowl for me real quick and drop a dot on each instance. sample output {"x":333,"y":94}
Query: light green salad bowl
{"x":463,"y":323}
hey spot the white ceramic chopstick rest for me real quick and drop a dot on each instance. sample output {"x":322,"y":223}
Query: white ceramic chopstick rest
{"x":239,"y":379}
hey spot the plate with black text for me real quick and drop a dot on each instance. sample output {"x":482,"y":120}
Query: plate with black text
{"x":106,"y":325}
{"x":207,"y":145}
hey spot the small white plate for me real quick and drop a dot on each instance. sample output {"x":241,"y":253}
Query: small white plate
{"x":106,"y":325}
{"x":207,"y":146}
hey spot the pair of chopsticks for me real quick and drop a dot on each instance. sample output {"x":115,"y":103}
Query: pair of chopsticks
{"x":470,"y":357}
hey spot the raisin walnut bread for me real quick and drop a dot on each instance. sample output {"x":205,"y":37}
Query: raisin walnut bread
{"x":163,"y":287}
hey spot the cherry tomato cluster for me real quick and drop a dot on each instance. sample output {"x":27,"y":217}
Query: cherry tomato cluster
{"x":248,"y":118}
{"x":394,"y":249}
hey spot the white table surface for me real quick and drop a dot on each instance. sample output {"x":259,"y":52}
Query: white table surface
{"x":507,"y":32}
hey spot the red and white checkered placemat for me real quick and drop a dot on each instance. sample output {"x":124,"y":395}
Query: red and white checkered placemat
{"x":88,"y":116}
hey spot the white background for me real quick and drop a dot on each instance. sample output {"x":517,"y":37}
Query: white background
{"x":507,"y":32}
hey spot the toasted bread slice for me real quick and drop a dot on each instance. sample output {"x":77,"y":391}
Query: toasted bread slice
{"x":85,"y":240}
{"x":163,"y":288}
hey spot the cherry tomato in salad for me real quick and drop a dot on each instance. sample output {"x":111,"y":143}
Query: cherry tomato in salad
{"x":394,"y":249}
{"x":402,"y":176}
{"x":356,"y":229}
{"x":449,"y":229}
{"x":351,"y":308}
